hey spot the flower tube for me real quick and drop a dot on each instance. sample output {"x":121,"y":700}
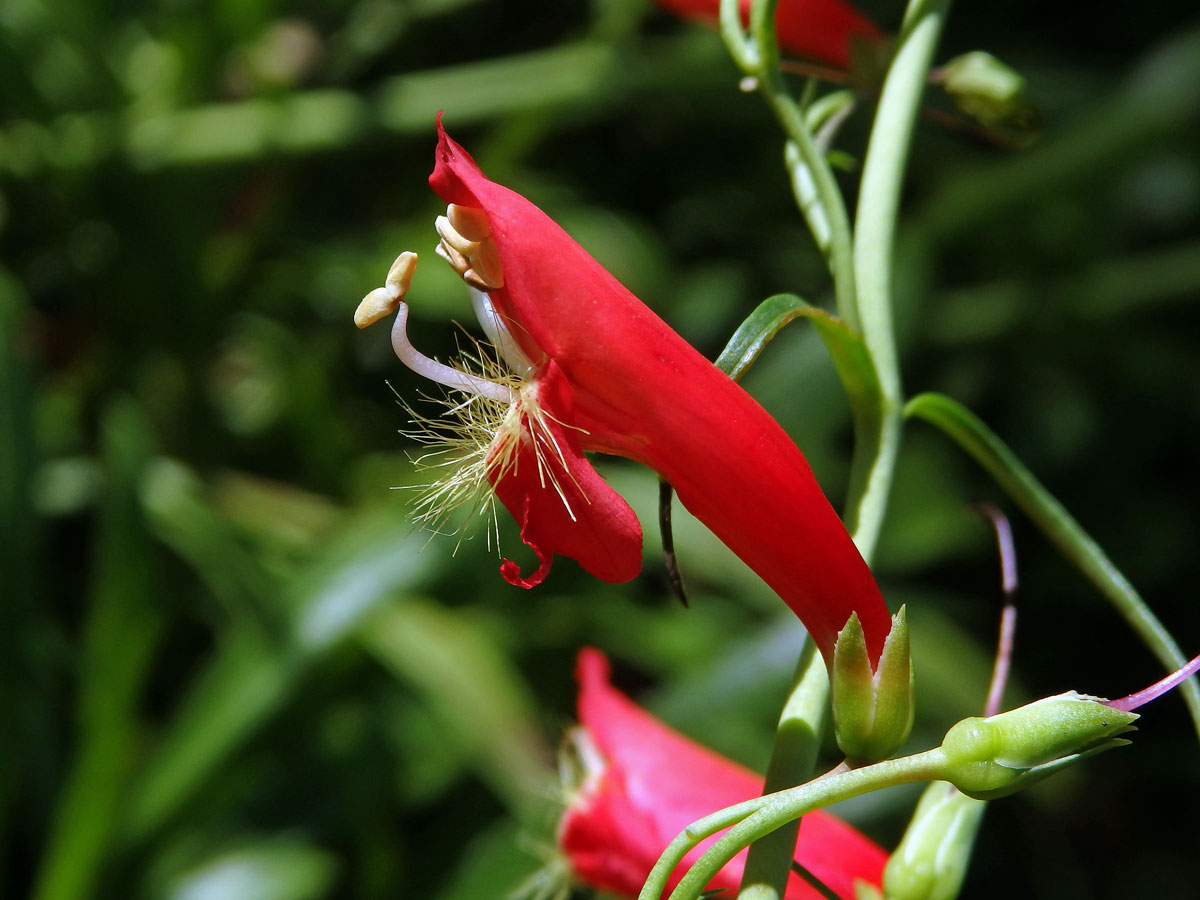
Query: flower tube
{"x":592,"y":368}
{"x":820,"y":30}
{"x":643,"y":783}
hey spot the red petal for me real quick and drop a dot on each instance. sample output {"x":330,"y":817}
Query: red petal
{"x":819,"y":30}
{"x":658,"y":782}
{"x":642,"y":391}
{"x":569,"y":511}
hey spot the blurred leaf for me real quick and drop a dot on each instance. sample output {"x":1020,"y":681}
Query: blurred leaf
{"x":16,"y":441}
{"x":185,"y":522}
{"x":483,"y":703}
{"x":251,"y":676}
{"x":280,"y":513}
{"x":278,"y":868}
{"x":247,"y":681}
{"x":584,"y":75}
{"x":1162,"y":91}
{"x":122,"y":631}
{"x":494,"y":864}
{"x":937,"y":523}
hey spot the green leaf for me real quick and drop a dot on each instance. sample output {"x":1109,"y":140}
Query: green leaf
{"x":845,"y":346}
{"x":500,"y":862}
{"x":268,"y":869}
{"x":253,"y":676}
{"x":183,"y":519}
{"x":247,"y":681}
{"x":124,"y":624}
{"x":982,"y":445}
{"x":470,"y":684}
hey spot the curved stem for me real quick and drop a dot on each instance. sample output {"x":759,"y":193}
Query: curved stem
{"x":793,"y":756}
{"x":672,"y":856}
{"x":758,"y":57}
{"x":883,"y":175}
{"x":786,"y":806}
{"x":874,"y":240}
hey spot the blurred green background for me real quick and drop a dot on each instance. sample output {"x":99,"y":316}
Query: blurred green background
{"x":231,"y":667}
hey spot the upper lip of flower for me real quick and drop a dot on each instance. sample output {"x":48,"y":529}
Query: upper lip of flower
{"x":602,"y":372}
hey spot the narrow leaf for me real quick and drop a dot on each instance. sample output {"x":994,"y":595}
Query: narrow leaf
{"x":123,"y":628}
{"x":982,"y":445}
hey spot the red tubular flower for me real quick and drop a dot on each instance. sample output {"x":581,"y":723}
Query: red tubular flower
{"x":596,"y":370}
{"x":820,"y":30}
{"x":644,"y":783}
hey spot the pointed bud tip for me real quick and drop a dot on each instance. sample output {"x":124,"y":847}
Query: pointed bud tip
{"x":873,"y":710}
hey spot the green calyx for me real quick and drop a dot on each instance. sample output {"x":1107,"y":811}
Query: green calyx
{"x":872,"y":709}
{"x":992,"y":757}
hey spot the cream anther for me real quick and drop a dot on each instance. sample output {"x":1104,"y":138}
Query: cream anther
{"x":439,"y":372}
{"x":382,"y":301}
{"x":486,"y":263}
{"x":477,"y":261}
{"x":377,"y":305}
{"x":462,"y":266}
{"x":457,"y":261}
{"x":469,"y":221}
{"x":448,"y":234}
{"x":400,"y":274}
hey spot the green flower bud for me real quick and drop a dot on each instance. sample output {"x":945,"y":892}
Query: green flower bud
{"x":872,"y":710}
{"x":992,"y":94}
{"x":932,"y":859}
{"x":995,"y":756}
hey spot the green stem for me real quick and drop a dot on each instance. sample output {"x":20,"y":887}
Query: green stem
{"x":793,"y":752}
{"x":672,"y":856}
{"x":793,"y":756}
{"x":862,"y":272}
{"x":874,"y":240}
{"x":982,"y":444}
{"x":829,"y":213}
{"x":758,"y":57}
{"x":787,"y":806}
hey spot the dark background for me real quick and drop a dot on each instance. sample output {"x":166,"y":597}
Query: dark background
{"x":233,"y":669}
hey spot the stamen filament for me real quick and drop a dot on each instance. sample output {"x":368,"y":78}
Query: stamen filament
{"x":439,"y":372}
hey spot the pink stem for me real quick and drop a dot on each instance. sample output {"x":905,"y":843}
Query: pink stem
{"x":1133,"y":701}
{"x":1008,"y":617}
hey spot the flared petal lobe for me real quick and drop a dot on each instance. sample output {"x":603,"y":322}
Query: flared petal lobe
{"x":820,"y":30}
{"x":561,"y":503}
{"x":641,"y":391}
{"x":655,"y":782}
